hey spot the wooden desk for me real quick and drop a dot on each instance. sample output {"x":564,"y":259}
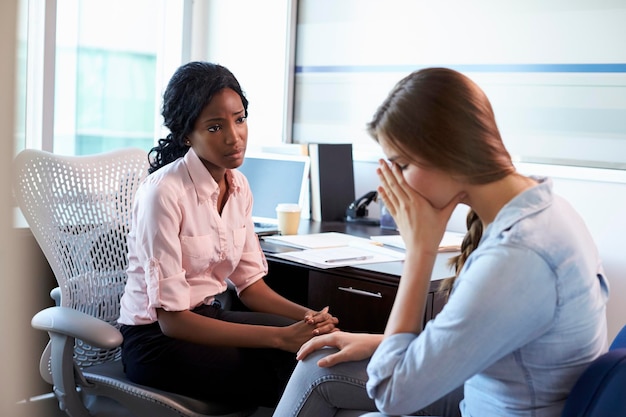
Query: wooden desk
{"x":361,"y":297}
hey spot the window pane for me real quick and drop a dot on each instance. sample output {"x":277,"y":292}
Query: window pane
{"x":554,"y":71}
{"x":115,"y":100}
{"x":108,"y":84}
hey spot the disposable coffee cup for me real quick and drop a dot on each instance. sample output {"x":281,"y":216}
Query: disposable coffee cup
{"x":288,"y":218}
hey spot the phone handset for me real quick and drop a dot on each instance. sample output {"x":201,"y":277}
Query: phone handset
{"x":357,"y":210}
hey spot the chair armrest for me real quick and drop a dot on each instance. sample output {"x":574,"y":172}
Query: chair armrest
{"x":55,"y":294}
{"x":64,"y":325}
{"x":79,"y":325}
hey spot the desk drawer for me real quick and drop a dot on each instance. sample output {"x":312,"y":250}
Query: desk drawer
{"x":361,"y":306}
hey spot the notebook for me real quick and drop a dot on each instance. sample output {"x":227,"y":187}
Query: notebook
{"x":275,"y":178}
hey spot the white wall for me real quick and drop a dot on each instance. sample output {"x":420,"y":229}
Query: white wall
{"x":14,"y":296}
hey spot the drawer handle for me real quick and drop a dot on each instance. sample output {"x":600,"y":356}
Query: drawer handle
{"x":361,"y":292}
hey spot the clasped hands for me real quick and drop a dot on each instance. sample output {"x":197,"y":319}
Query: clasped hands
{"x":314,"y":323}
{"x":322,"y":321}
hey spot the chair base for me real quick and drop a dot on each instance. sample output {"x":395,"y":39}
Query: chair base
{"x":42,"y":405}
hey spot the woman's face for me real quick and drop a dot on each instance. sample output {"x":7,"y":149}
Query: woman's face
{"x":435,"y":185}
{"x":220,"y":134}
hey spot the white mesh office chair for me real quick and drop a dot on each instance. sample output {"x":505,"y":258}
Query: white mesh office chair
{"x":79,"y":208}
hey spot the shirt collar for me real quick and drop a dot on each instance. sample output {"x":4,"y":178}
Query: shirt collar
{"x":527,"y":203}
{"x":203,"y":182}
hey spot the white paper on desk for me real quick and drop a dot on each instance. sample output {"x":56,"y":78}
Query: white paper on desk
{"x":450,"y":242}
{"x":356,"y":253}
{"x":316,"y":240}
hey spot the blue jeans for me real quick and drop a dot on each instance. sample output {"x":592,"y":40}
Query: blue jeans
{"x":339,"y":391}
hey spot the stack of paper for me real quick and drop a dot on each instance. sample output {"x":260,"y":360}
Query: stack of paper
{"x":316,"y":240}
{"x":332,"y":250}
{"x":450,"y":242}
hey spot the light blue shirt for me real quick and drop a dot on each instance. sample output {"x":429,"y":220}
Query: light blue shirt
{"x":525,"y":318}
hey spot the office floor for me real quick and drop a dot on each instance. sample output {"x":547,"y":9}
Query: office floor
{"x":47,"y":406}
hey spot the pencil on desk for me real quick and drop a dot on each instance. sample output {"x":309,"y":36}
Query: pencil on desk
{"x":351,"y":259}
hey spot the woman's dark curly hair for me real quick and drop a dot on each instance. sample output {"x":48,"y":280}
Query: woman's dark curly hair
{"x":190,"y":90}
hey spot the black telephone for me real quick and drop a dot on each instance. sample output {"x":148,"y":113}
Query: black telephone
{"x":357,"y":210}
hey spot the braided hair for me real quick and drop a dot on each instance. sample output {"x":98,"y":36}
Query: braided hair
{"x":188,"y":92}
{"x":469,"y":243}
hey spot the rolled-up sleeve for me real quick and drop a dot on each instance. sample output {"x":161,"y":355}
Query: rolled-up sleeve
{"x":383,"y":365}
{"x":166,"y":292}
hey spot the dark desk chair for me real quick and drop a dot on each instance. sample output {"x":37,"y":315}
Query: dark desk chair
{"x":620,"y":340}
{"x":601,"y":389}
{"x":78,"y":209}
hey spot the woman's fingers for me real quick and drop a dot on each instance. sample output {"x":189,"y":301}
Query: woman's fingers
{"x":313,"y":317}
{"x":323,"y":329}
{"x":333,"y":359}
{"x":388,"y":189}
{"x":312,"y":345}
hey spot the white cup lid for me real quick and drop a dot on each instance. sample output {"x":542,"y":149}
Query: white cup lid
{"x":288,"y":207}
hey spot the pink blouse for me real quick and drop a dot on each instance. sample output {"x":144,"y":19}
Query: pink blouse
{"x":180,"y":249}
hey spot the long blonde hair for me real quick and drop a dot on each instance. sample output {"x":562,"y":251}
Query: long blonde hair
{"x":443,"y":118}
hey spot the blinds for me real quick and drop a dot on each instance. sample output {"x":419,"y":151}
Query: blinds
{"x":555,"y":71}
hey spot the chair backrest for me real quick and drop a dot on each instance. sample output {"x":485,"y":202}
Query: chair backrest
{"x":79,"y":211}
{"x":601,"y":389}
